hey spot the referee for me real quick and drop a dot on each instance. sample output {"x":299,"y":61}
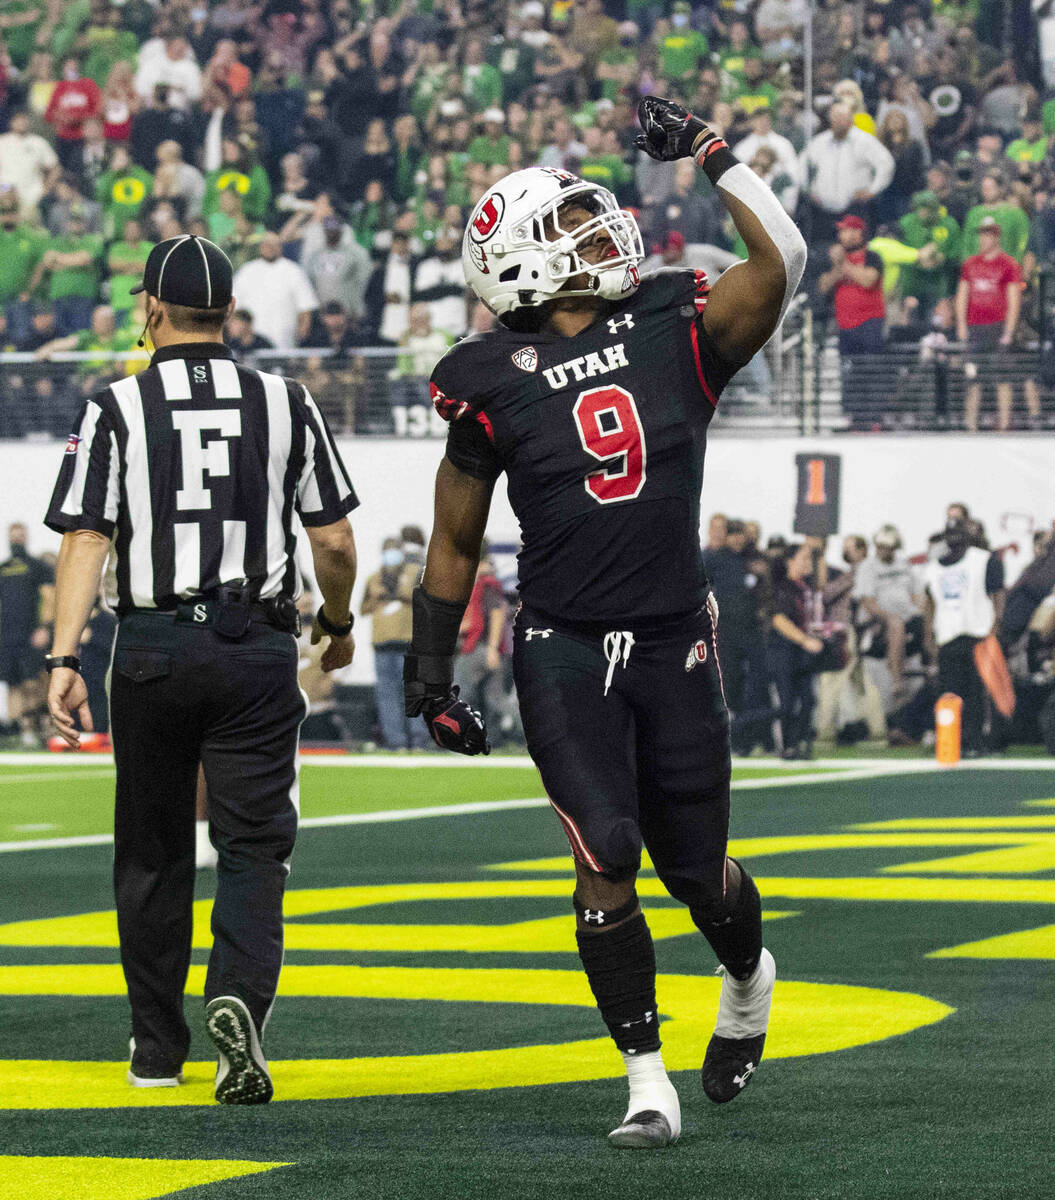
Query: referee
{"x":183,"y":480}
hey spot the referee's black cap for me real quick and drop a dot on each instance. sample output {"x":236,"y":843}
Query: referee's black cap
{"x":188,"y":270}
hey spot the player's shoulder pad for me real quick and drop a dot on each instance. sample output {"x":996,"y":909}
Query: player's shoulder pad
{"x":470,"y":373}
{"x":671,"y":287}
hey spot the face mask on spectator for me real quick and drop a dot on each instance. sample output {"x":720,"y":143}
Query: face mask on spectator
{"x":391,"y":558}
{"x":679,"y":20}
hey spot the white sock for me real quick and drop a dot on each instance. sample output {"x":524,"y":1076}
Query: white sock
{"x":651,"y":1089}
{"x":743,"y":1010}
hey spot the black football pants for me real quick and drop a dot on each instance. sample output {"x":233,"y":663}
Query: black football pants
{"x":648,"y":763}
{"x":181,"y":695}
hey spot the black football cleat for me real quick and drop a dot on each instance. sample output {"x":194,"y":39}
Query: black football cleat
{"x":729,"y":1065}
{"x":242,"y":1076}
{"x":647,"y":1130}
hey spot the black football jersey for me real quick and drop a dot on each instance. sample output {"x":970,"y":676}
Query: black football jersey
{"x":602,"y":436}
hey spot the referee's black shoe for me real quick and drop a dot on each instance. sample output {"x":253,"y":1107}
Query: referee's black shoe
{"x":242,"y":1076}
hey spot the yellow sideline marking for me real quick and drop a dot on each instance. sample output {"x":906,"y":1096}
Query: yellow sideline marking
{"x":1024,"y":853}
{"x":808,"y":1018}
{"x":1041,"y":821}
{"x":1028,"y":944}
{"x":58,"y":1178}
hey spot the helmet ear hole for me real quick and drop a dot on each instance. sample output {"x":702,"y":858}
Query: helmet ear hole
{"x":509,"y":275}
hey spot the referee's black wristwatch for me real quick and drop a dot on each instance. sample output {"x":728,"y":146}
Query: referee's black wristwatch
{"x":328,"y":627}
{"x":52,"y":662}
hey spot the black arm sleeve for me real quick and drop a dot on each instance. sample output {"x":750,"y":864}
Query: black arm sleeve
{"x":471,"y":450}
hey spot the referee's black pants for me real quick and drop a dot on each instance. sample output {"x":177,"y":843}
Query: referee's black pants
{"x":181,"y":695}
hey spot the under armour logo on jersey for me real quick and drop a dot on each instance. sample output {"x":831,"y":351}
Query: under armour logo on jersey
{"x":526,"y":359}
{"x":593,"y":916}
{"x":542,"y":633}
{"x":201,"y":614}
{"x":698,"y":654}
{"x":626,"y":321}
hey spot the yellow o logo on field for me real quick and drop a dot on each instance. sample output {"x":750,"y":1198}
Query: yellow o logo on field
{"x":808,"y":1018}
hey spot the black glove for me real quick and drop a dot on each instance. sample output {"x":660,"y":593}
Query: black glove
{"x":428,"y":692}
{"x":455,"y":726}
{"x":670,"y":131}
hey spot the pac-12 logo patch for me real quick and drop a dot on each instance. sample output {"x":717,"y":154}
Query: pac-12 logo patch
{"x":698,"y":654}
{"x":74,"y":440}
{"x":486,"y":220}
{"x":526,"y":358}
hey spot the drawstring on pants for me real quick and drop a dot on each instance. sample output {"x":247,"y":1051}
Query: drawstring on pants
{"x":617,"y":644}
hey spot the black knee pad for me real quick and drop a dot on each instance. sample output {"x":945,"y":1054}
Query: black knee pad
{"x":734,"y":930}
{"x":621,"y":850}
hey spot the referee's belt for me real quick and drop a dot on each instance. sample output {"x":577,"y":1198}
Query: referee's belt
{"x":206,"y":612}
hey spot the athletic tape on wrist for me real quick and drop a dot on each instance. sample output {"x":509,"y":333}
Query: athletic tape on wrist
{"x":713,"y":155}
{"x":740,"y":181}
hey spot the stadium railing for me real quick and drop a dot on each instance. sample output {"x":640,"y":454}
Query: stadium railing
{"x":807,"y":388}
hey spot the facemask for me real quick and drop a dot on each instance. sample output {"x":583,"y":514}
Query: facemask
{"x":70,"y":73}
{"x":391,"y":558}
{"x":679,"y":20}
{"x":18,"y":551}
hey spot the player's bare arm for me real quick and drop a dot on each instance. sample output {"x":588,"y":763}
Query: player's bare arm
{"x":334,"y":558}
{"x":462,"y":503}
{"x":746,"y":304}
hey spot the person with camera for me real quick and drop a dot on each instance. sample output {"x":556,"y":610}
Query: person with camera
{"x":890,"y":606}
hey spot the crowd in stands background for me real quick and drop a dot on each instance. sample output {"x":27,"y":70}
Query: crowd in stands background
{"x":334,"y":148}
{"x":823,"y":642}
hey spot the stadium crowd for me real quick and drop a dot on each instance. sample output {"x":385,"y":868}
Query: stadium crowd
{"x":334,"y":150}
{"x":823,"y":642}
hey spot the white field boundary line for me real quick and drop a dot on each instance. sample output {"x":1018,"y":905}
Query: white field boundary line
{"x":879,"y":767}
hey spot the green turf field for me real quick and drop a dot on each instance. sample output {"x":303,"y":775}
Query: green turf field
{"x":434,"y":1036}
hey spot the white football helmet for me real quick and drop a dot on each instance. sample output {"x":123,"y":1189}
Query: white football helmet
{"x":511,"y":263}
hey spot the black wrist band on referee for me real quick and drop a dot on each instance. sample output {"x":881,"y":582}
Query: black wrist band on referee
{"x":53,"y":662}
{"x":714,"y":156}
{"x":328,"y":627}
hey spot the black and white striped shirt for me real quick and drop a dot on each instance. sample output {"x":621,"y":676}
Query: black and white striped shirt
{"x":194,"y":468}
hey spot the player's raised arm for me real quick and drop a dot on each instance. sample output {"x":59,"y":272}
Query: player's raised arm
{"x":460,"y":518}
{"x":747,"y":302}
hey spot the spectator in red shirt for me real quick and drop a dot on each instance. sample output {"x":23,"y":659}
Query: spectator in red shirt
{"x":74,"y":100}
{"x":856,"y":283}
{"x":988,"y":301}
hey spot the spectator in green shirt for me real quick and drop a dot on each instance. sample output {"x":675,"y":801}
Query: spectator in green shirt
{"x":603,"y":163}
{"x":617,"y":68}
{"x":125,"y":262}
{"x":1032,"y":146}
{"x":733,"y":55}
{"x":19,"y":22}
{"x":753,"y":90}
{"x":103,"y":336}
{"x":928,"y":224}
{"x":71,"y":264}
{"x":482,"y":82}
{"x":682,"y":50}
{"x":492,"y":146}
{"x":21,"y":247}
{"x":106,"y":42}
{"x":240,"y":170}
{"x":1013,"y":222}
{"x":122,"y":191}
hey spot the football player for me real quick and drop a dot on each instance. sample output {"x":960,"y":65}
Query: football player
{"x":594,"y":396}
